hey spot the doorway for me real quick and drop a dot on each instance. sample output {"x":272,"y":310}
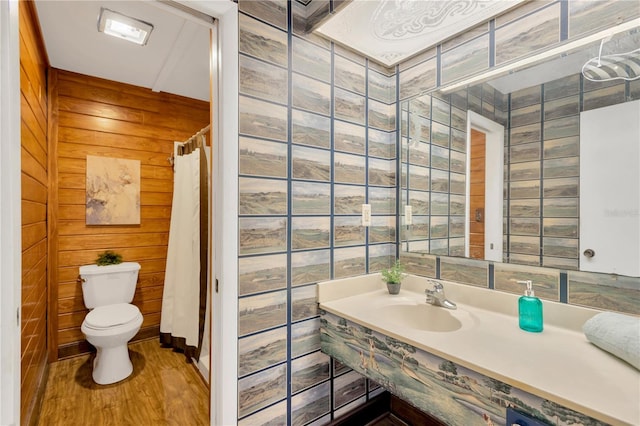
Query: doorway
{"x":484,"y":188}
{"x":477,"y":172}
{"x":144,"y":119}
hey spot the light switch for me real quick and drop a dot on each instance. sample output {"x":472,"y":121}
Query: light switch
{"x":408,"y":215}
{"x":366,"y":215}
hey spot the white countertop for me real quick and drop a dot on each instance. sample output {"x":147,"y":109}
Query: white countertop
{"x":558,"y":364}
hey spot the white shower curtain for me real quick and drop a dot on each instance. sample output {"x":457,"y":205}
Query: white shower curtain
{"x":181,"y":296}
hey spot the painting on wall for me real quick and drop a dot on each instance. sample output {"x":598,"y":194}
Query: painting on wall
{"x":113,"y":191}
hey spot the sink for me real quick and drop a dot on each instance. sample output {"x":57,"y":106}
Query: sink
{"x":355,"y":309}
{"x":423,"y":317}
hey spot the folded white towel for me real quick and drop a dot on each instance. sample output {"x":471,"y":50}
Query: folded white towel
{"x":615,"y":333}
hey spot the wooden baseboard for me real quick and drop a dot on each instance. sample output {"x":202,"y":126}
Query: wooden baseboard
{"x":80,"y":348}
{"x":147,"y":333}
{"x":366,"y":413}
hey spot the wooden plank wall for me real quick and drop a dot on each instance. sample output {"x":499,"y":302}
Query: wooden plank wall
{"x":33,"y":111}
{"x":105,"y":118}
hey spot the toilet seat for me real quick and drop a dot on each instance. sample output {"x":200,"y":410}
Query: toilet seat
{"x":109,"y":316}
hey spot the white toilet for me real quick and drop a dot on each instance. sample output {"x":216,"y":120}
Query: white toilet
{"x":113,"y":320}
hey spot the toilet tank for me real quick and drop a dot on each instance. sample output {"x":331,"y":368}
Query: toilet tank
{"x":109,"y":284}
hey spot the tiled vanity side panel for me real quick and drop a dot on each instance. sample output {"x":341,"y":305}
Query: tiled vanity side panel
{"x":452,"y":393}
{"x":317,"y":140}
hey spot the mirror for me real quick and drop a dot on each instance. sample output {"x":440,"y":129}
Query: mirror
{"x":493,"y":171}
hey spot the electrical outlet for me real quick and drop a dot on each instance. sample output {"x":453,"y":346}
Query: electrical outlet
{"x":366,"y":215}
{"x":408,"y":215}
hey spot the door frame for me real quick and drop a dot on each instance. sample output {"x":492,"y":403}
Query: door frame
{"x":494,"y":185}
{"x":224,"y":256}
{"x":224,"y":327}
{"x":10,"y":214}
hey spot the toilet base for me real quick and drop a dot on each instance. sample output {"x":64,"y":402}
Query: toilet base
{"x":112,"y":365}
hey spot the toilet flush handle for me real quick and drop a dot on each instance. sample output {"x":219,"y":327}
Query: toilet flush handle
{"x":80,"y":279}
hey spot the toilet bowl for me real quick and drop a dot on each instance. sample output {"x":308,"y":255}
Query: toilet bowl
{"x":109,"y":329}
{"x":113,"y":320}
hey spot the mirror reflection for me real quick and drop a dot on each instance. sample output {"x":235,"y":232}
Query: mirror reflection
{"x":510,"y":169}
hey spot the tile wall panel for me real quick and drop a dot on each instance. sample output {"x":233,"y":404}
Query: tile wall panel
{"x":262,"y":41}
{"x":469,"y":58}
{"x":432,"y":181}
{"x":541,"y":192}
{"x":262,"y":80}
{"x":318,"y":124}
{"x":418,"y":79}
{"x":272,"y":11}
{"x":530,"y":28}
{"x":528,"y":34}
{"x":317,"y":140}
{"x":381,"y":87}
{"x":312,"y":60}
{"x":589,"y":16}
{"x":605,"y":291}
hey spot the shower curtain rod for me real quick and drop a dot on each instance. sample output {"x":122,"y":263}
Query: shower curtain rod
{"x":200,"y":132}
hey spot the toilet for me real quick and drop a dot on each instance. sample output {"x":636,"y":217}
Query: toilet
{"x":112,"y":320}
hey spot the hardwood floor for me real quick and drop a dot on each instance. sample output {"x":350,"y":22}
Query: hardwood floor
{"x":163,"y":390}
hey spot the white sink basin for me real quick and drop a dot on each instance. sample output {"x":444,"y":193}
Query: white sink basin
{"x":421,"y":317}
{"x":482,"y":335}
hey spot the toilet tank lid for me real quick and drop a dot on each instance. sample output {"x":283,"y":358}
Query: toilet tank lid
{"x":120,"y":267}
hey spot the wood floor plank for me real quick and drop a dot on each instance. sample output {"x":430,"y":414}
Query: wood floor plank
{"x":163,"y":390}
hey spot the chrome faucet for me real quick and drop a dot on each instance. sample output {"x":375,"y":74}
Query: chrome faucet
{"x":436,"y":297}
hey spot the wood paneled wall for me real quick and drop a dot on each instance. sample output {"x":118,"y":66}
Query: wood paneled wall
{"x":104,"y":118}
{"x":34,"y":158}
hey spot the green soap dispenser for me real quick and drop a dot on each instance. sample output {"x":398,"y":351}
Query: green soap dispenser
{"x":530,"y":309}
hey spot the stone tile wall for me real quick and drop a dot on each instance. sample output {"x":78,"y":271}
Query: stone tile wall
{"x":317,"y":140}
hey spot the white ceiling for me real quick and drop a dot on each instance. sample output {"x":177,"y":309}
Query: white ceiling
{"x":391,"y":31}
{"x":175,"y":60}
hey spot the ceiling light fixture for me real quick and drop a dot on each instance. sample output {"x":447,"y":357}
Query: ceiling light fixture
{"x":559,"y":50}
{"x":124,"y":27}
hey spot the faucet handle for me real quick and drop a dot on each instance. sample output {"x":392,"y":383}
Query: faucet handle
{"x":436,"y":285}
{"x":437,"y":288}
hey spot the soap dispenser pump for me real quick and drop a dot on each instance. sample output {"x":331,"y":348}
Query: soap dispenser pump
{"x":530,"y":309}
